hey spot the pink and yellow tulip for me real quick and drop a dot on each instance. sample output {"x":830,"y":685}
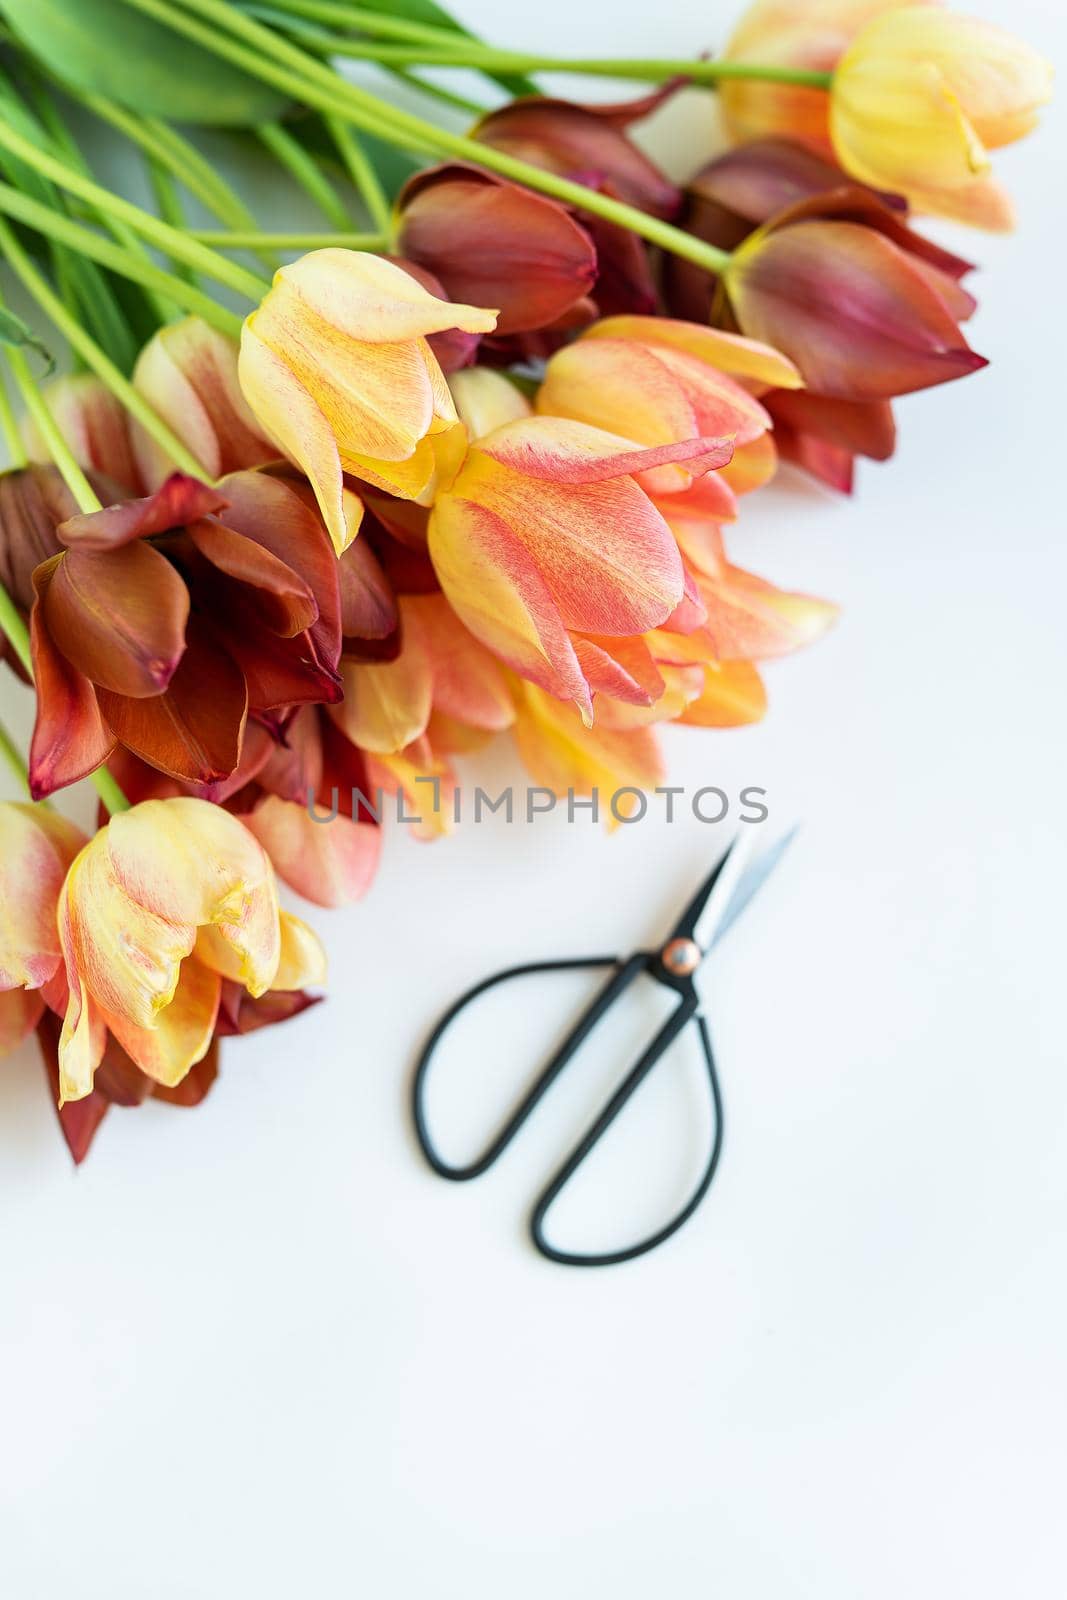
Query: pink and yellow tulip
{"x":166,"y":902}
{"x":37,"y":847}
{"x":336,"y":369}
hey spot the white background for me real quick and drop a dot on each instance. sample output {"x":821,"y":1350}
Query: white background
{"x":259,"y":1350}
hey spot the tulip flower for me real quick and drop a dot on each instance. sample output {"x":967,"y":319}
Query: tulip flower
{"x":921,"y":96}
{"x":567,"y":758}
{"x":166,"y":902}
{"x":188,"y":374}
{"x":773,"y":183}
{"x":36,"y":848}
{"x":162,"y":622}
{"x":655,"y":380}
{"x":488,"y":240}
{"x":860,"y":317}
{"x":918,"y":96}
{"x":545,"y":533}
{"x":335,"y":367}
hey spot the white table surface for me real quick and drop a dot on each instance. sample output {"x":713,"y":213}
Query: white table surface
{"x":259,"y":1350}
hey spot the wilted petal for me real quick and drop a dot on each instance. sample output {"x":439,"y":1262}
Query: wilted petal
{"x":622,"y":669}
{"x":368,"y":604}
{"x":95,"y":426}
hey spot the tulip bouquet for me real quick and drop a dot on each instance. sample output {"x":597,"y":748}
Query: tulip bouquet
{"x":461,"y":469}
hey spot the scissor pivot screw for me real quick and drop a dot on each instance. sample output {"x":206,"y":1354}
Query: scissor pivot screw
{"x":682,"y":956}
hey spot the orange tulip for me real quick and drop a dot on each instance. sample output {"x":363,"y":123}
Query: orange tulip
{"x":336,"y":369}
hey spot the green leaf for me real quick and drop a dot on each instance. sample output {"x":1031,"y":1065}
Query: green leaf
{"x":106,"y":48}
{"x":16,"y":332}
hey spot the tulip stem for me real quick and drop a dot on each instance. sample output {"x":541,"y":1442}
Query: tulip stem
{"x":362,"y":174}
{"x":57,"y":446}
{"x":291,"y":241}
{"x":55,"y":225}
{"x":304,"y":170}
{"x":173,"y":241}
{"x":178,"y":157}
{"x":10,"y":620}
{"x":95,"y":358}
{"x":422,"y":44}
{"x":9,"y":427}
{"x":11,"y":752}
{"x":292,"y":71}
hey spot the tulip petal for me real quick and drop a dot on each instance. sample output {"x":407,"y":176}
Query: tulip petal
{"x":468,"y":684}
{"x":489,"y":240}
{"x":486,"y":399}
{"x":197,"y":1083}
{"x":95,"y":426}
{"x":303,"y":960}
{"x":118,"y":616}
{"x":20,"y":1012}
{"x":182,"y":1032}
{"x":368,"y":604}
{"x":496,"y":589}
{"x":179,"y":500}
{"x":36,"y":848}
{"x":751,"y":619}
{"x":563,"y":755}
{"x":387,"y":704}
{"x":193,"y":731}
{"x":329,"y":863}
{"x":557,"y":450}
{"x":279,"y":598}
{"x":70,"y":737}
{"x":622,"y":669}
{"x":860,"y":320}
{"x":370,"y":300}
{"x":188,"y":374}
{"x":731,"y":353}
{"x":732,"y":697}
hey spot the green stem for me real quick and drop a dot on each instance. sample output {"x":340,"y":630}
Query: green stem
{"x":18,"y":635}
{"x":54,"y":225}
{"x":303,"y":169}
{"x":171,"y":240}
{"x":446,"y":47}
{"x":291,"y":241}
{"x":294,"y":73}
{"x":95,"y":358}
{"x":362,"y":173}
{"x":14,"y":757}
{"x":10,"y":429}
{"x":82,"y":490}
{"x":56,"y":445}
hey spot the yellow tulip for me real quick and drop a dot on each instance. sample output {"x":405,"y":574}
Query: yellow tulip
{"x":335,"y":366}
{"x":166,"y":901}
{"x":919,"y":99}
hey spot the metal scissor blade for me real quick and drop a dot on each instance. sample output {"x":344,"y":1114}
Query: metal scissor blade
{"x":752,"y":882}
{"x":701,"y":916}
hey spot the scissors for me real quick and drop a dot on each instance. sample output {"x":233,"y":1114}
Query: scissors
{"x":720,"y":900}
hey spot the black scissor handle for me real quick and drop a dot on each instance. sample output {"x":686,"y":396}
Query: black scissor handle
{"x":688,"y":1011}
{"x":624,"y":974}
